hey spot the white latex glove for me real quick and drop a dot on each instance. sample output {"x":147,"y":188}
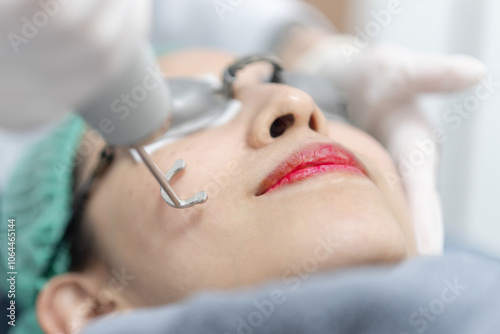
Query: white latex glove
{"x":55,"y":53}
{"x":381,"y":86}
{"x":226,"y":24}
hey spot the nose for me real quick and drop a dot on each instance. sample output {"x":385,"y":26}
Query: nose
{"x":282,"y":111}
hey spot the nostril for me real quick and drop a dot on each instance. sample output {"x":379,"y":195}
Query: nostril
{"x":312,"y":122}
{"x":281,"y":124}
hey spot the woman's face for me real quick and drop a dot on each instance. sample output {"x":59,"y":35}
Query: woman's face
{"x":239,"y":237}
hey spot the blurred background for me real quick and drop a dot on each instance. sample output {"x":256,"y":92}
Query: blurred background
{"x":470,"y":156}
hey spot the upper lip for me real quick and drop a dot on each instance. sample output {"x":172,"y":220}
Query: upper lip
{"x":310,"y":155}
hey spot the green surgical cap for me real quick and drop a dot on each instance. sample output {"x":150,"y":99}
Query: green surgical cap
{"x":39,"y":196}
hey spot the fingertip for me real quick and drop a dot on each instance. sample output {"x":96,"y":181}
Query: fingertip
{"x":471,"y":69}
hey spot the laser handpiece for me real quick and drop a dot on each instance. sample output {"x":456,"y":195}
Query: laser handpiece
{"x":134,"y":108}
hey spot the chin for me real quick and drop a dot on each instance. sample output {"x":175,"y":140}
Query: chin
{"x":355,"y":238}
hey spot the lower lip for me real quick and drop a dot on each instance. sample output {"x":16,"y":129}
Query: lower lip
{"x":313,"y":170}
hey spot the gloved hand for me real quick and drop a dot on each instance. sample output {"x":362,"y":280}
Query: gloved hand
{"x":382,"y":85}
{"x":54,"y":54}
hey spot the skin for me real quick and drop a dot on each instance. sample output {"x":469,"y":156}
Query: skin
{"x":235,"y":239}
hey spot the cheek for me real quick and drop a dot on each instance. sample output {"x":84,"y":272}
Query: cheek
{"x":363,"y":144}
{"x":123,"y":204}
{"x":212,"y":166}
{"x":382,"y":169}
{"x":380,"y":165}
{"x":216,"y":161}
{"x":159,"y":245}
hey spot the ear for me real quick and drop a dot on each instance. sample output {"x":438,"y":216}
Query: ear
{"x":68,"y":303}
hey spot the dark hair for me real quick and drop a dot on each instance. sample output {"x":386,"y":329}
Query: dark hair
{"x":82,"y":246}
{"x":79,"y":235}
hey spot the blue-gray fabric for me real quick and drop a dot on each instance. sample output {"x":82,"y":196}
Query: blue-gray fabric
{"x":457,"y":293}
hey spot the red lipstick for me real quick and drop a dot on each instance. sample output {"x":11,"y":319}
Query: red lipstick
{"x":311,"y":160}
